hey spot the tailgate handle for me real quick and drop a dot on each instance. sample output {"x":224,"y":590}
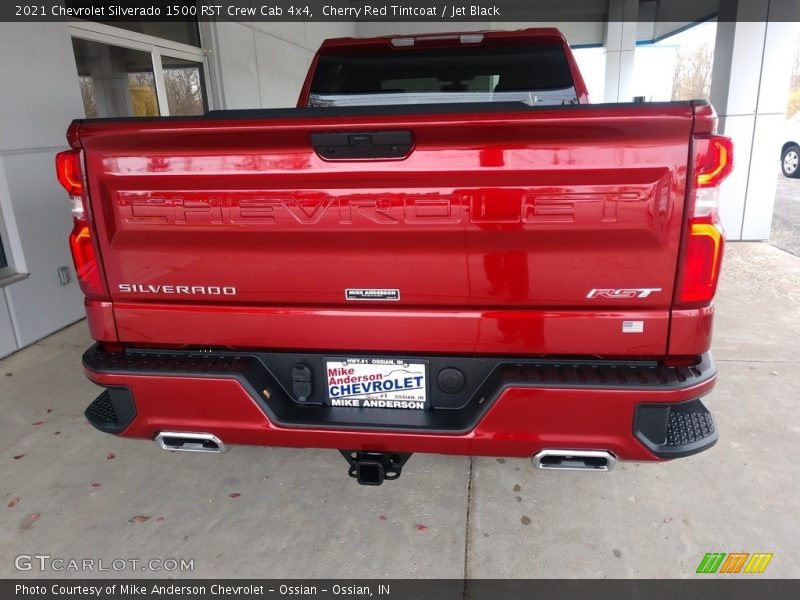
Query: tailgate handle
{"x":362,"y":144}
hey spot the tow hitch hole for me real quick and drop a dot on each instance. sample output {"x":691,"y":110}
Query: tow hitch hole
{"x":372,"y":468}
{"x":369,"y":473}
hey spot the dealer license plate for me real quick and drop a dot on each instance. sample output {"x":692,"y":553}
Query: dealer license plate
{"x":377,"y":383}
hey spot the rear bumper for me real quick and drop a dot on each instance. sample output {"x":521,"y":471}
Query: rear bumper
{"x":510,"y":407}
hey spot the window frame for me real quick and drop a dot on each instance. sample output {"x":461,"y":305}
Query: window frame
{"x":9,"y":269}
{"x":16,"y":268}
{"x":155,"y":46}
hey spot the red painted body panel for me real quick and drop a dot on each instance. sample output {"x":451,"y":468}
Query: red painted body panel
{"x":520,"y":423}
{"x":467,"y":331}
{"x":492,"y":212}
{"x":100,"y":318}
{"x":690,"y":331}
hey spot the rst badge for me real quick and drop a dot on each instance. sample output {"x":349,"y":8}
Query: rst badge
{"x":621,"y":293}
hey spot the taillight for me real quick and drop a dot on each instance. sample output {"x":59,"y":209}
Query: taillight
{"x":702,"y":253}
{"x":714,"y":160}
{"x":702,"y":259}
{"x":68,"y":171}
{"x":87,"y":268}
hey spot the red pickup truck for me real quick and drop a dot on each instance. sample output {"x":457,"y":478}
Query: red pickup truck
{"x":444,"y":248}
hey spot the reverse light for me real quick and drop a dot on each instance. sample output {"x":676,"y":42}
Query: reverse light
{"x":705,"y":240}
{"x":78,"y":211}
{"x":471,"y":38}
{"x":402,"y":42}
{"x":84,"y":256}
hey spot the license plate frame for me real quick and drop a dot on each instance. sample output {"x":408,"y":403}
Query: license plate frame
{"x":379,"y":382}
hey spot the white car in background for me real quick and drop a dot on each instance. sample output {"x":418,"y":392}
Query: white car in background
{"x":790,"y":152}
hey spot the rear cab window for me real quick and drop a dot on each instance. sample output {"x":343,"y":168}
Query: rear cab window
{"x":536,"y":75}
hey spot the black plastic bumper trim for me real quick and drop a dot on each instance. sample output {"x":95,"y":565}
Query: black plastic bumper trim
{"x":267,"y":377}
{"x":675,"y":430}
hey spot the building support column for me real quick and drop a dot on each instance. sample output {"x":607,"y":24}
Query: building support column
{"x":749,"y":89}
{"x":620,"y":48}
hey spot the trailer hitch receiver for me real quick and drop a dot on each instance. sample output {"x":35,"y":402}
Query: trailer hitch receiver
{"x":372,"y":468}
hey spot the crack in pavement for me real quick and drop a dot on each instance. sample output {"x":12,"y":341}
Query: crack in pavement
{"x":467,"y":534}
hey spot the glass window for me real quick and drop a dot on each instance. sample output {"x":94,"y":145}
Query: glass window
{"x":184,"y":85}
{"x":3,"y":259}
{"x":689,"y":55}
{"x":115,"y":81}
{"x":6,"y":266}
{"x":536,"y":75}
{"x":183,"y":31}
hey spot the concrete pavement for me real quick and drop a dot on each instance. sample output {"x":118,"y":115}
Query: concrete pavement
{"x":71,"y":492}
{"x":785,"y":232}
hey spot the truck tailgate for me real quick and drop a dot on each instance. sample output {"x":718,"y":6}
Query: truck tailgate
{"x":510,"y":213}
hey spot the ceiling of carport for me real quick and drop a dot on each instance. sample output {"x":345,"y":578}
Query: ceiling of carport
{"x":582,"y":21}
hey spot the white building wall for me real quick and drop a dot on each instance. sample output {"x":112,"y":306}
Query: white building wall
{"x":620,"y":47}
{"x":40,"y":97}
{"x":749,"y":89}
{"x":262,"y":64}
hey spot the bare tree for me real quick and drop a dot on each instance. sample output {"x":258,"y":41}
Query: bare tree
{"x":87,"y":93}
{"x":184,"y":92}
{"x":142,"y":85}
{"x":692,"y":76}
{"x":793,"y":106}
{"x":183,"y":88}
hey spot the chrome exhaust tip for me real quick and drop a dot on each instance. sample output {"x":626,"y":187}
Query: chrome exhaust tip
{"x":190,"y":442}
{"x":574,"y":460}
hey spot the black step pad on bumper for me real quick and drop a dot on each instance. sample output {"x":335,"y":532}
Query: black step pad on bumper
{"x":112,"y":411}
{"x":675,"y":430}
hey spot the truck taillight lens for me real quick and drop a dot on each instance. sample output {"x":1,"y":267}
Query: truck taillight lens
{"x":701,"y":265}
{"x":714,"y":160}
{"x":86,"y":268}
{"x":68,"y":171}
{"x":702,"y":253}
{"x":84,"y":255}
